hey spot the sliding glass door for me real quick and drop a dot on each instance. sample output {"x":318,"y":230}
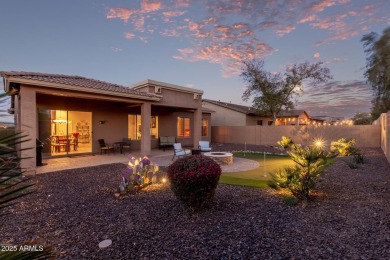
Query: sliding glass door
{"x":65,"y":132}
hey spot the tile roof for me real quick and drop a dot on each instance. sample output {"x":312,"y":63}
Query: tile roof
{"x":239,"y":108}
{"x":252,"y":111}
{"x":74,"y":81}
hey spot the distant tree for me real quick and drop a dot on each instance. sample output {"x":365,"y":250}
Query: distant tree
{"x":378,"y":69}
{"x":362,"y":119}
{"x":274,"y":92}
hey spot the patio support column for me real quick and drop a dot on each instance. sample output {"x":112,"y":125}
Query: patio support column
{"x":28,"y":126}
{"x":197,"y":126}
{"x":146,"y":110}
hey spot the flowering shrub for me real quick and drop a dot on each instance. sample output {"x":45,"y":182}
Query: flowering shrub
{"x":194,"y":179}
{"x":139,"y":173}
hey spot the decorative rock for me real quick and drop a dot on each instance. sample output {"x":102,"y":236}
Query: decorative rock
{"x":105,"y":243}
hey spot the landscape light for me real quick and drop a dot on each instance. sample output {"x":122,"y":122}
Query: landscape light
{"x":319,"y":143}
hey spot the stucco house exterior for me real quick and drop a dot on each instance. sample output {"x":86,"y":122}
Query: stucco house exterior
{"x":228,"y":114}
{"x":83,"y":110}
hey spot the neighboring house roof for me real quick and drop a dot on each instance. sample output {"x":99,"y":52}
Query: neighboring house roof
{"x":252,"y":111}
{"x":292,"y":113}
{"x":239,"y":108}
{"x":77,"y":82}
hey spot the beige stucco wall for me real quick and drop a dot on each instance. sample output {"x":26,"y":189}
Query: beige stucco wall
{"x":28,"y":127}
{"x":252,"y":120}
{"x":114,"y":112}
{"x":223,"y":116}
{"x":116,"y":117}
{"x":384,"y":122}
{"x":366,"y":136}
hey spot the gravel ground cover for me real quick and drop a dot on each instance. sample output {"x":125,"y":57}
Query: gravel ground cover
{"x":73,"y":210}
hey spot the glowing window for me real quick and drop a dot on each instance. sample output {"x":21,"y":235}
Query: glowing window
{"x":183,"y":127}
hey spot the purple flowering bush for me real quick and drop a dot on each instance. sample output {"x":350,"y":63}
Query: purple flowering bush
{"x":139,"y":173}
{"x":193,"y":180}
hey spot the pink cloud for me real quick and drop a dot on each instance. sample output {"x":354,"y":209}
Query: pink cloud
{"x":342,"y":35}
{"x":129,"y":35}
{"x":320,"y":6}
{"x":170,"y":14}
{"x":285,"y":30}
{"x":182,"y":3}
{"x":143,"y":39}
{"x":121,"y":13}
{"x":308,"y":18}
{"x":228,"y":32}
{"x":269,"y":24}
{"x":337,"y":59}
{"x":150,"y":6}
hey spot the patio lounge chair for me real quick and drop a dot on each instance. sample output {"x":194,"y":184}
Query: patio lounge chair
{"x":179,"y":151}
{"x":126,"y":144}
{"x":204,"y":146}
{"x":104,"y":147}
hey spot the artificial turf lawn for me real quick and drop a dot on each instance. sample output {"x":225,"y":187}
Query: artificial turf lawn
{"x":260,"y":176}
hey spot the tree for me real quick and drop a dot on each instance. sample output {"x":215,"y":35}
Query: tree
{"x":273,"y":92}
{"x":378,"y":70}
{"x":362,"y":119}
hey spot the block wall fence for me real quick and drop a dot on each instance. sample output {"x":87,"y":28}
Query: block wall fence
{"x":376,"y":135}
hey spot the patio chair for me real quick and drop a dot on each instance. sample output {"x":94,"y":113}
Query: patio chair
{"x":204,"y":146}
{"x":104,"y":147}
{"x":126,"y":144}
{"x":179,"y":151}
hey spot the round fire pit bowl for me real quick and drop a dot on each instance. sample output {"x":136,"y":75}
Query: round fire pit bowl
{"x":221,"y":157}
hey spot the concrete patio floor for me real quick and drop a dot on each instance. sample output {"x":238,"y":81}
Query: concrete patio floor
{"x":157,"y":156}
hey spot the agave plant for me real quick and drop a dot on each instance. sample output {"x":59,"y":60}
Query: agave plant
{"x":13,"y":186}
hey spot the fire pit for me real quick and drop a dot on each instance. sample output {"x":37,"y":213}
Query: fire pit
{"x":221,"y":157}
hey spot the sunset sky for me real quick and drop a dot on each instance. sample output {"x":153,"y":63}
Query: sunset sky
{"x":198,"y":44}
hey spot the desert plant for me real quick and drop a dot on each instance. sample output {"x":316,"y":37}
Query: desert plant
{"x":358,"y":157}
{"x":344,"y":146}
{"x":302,"y":177}
{"x":286,"y":142}
{"x":13,"y":186}
{"x":193,"y":180}
{"x":138,"y":174}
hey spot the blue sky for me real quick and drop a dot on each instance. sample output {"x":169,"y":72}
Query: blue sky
{"x":196,"y":44}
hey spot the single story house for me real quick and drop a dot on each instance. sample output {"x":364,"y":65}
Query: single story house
{"x":80,"y":111}
{"x":228,"y":114}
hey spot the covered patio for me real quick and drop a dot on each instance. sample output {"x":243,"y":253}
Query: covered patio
{"x":72,"y":113}
{"x":157,"y":156}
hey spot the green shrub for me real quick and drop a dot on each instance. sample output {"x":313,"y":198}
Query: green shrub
{"x":302,"y":177}
{"x":286,"y":142}
{"x":290,"y":201}
{"x":358,"y":157}
{"x":344,"y":146}
{"x":193,"y":180}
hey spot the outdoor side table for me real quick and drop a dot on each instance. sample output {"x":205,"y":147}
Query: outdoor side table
{"x":195,"y":151}
{"x":120,"y":146}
